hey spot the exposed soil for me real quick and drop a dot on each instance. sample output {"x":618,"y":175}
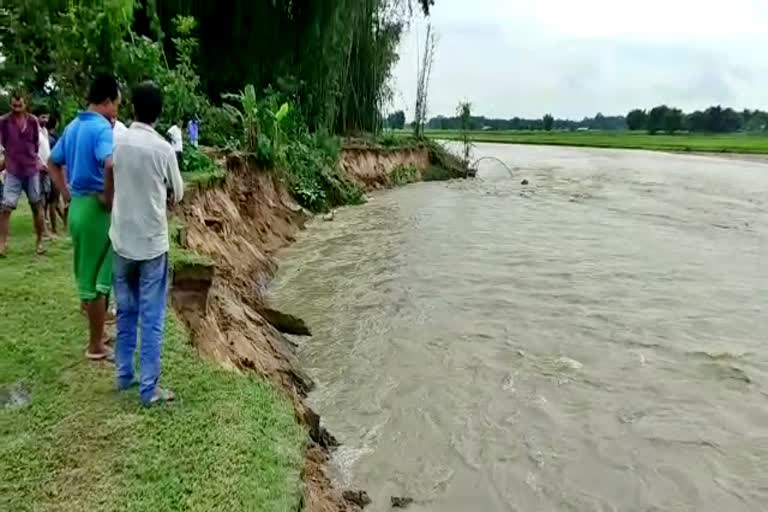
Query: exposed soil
{"x":371,"y":168}
{"x":240,"y":224}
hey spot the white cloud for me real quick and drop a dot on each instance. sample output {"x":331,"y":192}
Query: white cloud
{"x":526,"y":58}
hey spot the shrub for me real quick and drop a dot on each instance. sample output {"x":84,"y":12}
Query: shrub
{"x":272,"y":129}
{"x":311,"y":169}
{"x":196,"y":161}
{"x":403,"y":175}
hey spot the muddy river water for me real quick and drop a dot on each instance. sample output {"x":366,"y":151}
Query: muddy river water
{"x":594,"y":341}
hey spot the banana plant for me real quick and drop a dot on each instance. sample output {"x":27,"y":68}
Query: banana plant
{"x":246,"y":116}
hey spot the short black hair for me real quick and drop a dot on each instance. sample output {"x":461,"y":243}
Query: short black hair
{"x":147,"y":102}
{"x":103,"y":88}
{"x":52,"y":121}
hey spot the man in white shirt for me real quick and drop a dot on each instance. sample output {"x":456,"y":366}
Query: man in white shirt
{"x":43,"y":154}
{"x":145,"y":172}
{"x":118,"y":129}
{"x":174,"y":134}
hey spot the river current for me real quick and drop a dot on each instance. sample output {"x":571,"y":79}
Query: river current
{"x":596,"y":340}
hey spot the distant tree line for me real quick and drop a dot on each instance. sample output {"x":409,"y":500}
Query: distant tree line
{"x":661,"y":119}
{"x":715,"y":119}
{"x":599,"y":122}
{"x":395,"y":120}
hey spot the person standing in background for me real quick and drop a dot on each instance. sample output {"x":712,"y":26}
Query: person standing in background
{"x":52,"y":199}
{"x":20,"y":136}
{"x":146,"y":171}
{"x":86,"y":148}
{"x":43,"y":153}
{"x":52,"y":124}
{"x":193,"y":130}
{"x":174,"y":135}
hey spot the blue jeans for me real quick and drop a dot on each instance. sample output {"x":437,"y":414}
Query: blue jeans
{"x":141,"y":289}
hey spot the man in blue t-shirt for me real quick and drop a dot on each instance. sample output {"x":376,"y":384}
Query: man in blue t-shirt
{"x":85,"y":148}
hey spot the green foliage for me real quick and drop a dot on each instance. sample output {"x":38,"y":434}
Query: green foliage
{"x":273,"y":130}
{"x":656,"y":119}
{"x":332,"y":57}
{"x":264,"y":123}
{"x":637,"y":119}
{"x":76,"y":40}
{"x":548,"y":122}
{"x":196,"y":161}
{"x":396,"y":120}
{"x":389,"y":140}
{"x":181,"y":84}
{"x":717,"y":119}
{"x":673,"y":120}
{"x":598,"y":122}
{"x":246,"y":117}
{"x":403,"y":175}
{"x":464,"y":113}
{"x":217,"y":128}
{"x":312,"y":172}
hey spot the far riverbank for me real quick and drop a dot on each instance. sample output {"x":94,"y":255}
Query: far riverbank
{"x":727,"y":144}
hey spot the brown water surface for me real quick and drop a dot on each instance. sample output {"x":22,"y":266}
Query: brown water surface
{"x":594,"y":341}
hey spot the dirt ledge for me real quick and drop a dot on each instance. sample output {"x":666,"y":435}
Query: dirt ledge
{"x":236,"y":226}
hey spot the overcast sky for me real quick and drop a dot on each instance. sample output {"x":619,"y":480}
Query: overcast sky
{"x":574,"y":58}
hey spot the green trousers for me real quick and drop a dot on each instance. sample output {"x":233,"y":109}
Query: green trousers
{"x":89,"y":229}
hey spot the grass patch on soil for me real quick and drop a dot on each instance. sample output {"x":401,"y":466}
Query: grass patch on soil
{"x":707,"y":143}
{"x":229,"y":443}
{"x":204,"y":180}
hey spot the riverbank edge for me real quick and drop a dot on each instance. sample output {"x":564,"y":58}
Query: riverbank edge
{"x":228,"y":234}
{"x":725,"y":152}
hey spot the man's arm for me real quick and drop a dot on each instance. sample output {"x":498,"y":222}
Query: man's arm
{"x":103,"y":153}
{"x":174,"y":178}
{"x":108,"y":196}
{"x":56,"y":172}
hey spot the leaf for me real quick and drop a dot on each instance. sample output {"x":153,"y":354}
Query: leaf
{"x":285,"y":108}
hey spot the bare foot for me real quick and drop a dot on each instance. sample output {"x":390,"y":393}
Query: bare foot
{"x":40,"y":248}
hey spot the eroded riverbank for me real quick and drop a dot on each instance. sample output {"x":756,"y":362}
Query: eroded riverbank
{"x":236,"y":225}
{"x":594,"y":340}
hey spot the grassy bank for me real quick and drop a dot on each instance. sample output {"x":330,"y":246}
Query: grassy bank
{"x":706,"y":143}
{"x":229,"y":443}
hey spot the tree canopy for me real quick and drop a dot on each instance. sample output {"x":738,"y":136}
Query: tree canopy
{"x":333,"y":56}
{"x":548,"y":122}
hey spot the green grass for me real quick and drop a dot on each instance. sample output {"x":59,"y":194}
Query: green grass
{"x":708,"y":143}
{"x":179,"y":256}
{"x":204,"y":180}
{"x":229,"y":443}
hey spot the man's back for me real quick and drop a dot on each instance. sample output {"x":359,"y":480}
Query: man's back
{"x":145,"y":169}
{"x":84,"y":147}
